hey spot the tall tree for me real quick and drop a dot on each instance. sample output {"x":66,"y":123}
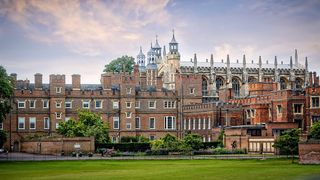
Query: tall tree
{"x":6,"y":91}
{"x":88,"y":124}
{"x":288,"y":142}
{"x":124,"y":63}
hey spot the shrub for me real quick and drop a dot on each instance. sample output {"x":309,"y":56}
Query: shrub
{"x":194,"y":141}
{"x":220,"y":150}
{"x":157,"y":152}
{"x":131,"y":147}
{"x":315,"y":130}
{"x":211,"y":145}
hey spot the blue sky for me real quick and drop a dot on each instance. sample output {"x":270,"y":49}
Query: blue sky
{"x":68,"y":37}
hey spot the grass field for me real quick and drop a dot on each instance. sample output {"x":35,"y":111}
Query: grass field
{"x":159,"y":169}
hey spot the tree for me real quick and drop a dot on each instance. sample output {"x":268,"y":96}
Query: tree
{"x":193,"y":140}
{"x":315,"y":130}
{"x":6,"y":91}
{"x":288,"y":142}
{"x":124,"y":63}
{"x":88,"y":124}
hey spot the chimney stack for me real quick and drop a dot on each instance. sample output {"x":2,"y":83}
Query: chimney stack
{"x":76,"y":82}
{"x":106,"y":81}
{"x":38,"y":81}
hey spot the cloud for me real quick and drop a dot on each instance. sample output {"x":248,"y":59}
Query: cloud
{"x":86,"y":27}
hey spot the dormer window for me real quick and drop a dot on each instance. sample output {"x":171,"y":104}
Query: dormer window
{"x":58,"y":90}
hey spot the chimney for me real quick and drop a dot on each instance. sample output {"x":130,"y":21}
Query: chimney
{"x":38,"y":81}
{"x":76,"y":82}
{"x":106,"y":81}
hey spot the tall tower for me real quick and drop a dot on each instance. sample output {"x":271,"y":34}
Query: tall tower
{"x":141,"y":61}
{"x":151,"y":69}
{"x":157,"y":50}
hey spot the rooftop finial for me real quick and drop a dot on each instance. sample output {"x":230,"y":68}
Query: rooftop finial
{"x":306,"y":64}
{"x":260,"y":62}
{"x":244,"y":61}
{"x":291,"y":65}
{"x":296,"y":57}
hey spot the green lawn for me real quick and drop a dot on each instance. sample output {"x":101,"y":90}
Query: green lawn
{"x":159,"y":169}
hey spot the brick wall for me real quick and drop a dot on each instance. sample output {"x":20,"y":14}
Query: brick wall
{"x":309,"y":152}
{"x":57,"y":145}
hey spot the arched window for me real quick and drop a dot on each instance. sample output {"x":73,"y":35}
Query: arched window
{"x":283,"y":83}
{"x":219,"y":83}
{"x":204,"y":87}
{"x":298,"y":83}
{"x":236,"y":87}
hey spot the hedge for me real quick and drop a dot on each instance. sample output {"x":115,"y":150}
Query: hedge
{"x":123,"y":147}
{"x":210,"y":145}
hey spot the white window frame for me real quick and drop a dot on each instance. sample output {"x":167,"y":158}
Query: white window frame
{"x":128,"y":91}
{"x":46,"y":121}
{"x":135,"y":122}
{"x":57,"y":125}
{"x":58,"y":104}
{"x":154,"y":122}
{"x":192,"y":90}
{"x":86,"y":102}
{"x":101,"y":104}
{"x":169,"y":104}
{"x":68,"y":102}
{"x":34,"y":104}
{"x":166,"y":120}
{"x":137,"y":103}
{"x":128,"y":126}
{"x":60,"y":115}
{"x":66,"y":119}
{"x":278,"y":112}
{"x":128,"y":114}
{"x":32,"y":120}
{"x":22,"y":102}
{"x":45,"y":102}
{"x":128,"y":103}
{"x":22,"y":120}
{"x":300,"y":109}
{"x":311,"y":103}
{"x":115,"y":104}
{"x":58,"y":90}
{"x":116,"y":119}
{"x":155,"y":104}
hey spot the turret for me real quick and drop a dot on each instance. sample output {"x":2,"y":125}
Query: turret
{"x":173,"y":45}
{"x":211,"y":64}
{"x":141,"y":61}
{"x":157,"y":49}
{"x":306,"y":74}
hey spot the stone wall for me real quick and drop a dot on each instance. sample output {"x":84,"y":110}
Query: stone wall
{"x":309,"y":152}
{"x":57,"y":145}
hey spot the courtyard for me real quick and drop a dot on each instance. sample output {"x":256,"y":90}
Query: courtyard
{"x":159,"y":169}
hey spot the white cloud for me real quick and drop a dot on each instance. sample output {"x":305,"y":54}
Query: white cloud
{"x":86,"y":27}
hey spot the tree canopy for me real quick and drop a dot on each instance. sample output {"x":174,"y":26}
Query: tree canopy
{"x":315,"y":130}
{"x":6,"y":91}
{"x":88,"y":124}
{"x":288,"y":142}
{"x":124,"y":63}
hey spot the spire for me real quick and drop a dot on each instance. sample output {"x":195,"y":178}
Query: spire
{"x":228,"y":61}
{"x":275,"y":62}
{"x":164,"y":51}
{"x":291,"y":65}
{"x":244,"y":62}
{"x":260,"y":62}
{"x":173,"y":40}
{"x":296,"y":57}
{"x":306,"y":65}
{"x":157,"y":46}
{"x":211,"y":61}
{"x":195,"y":65}
{"x":173,"y":45}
